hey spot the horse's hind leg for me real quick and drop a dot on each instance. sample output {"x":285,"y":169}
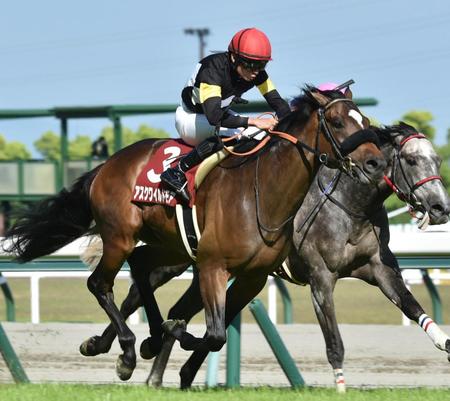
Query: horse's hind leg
{"x":139,"y":260}
{"x":100,"y":283}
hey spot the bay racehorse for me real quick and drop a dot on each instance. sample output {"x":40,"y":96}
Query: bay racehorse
{"x":245,"y":212}
{"x":341,"y":230}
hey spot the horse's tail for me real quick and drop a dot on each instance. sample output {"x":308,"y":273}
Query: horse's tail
{"x":93,"y":252}
{"x":53,"y":222}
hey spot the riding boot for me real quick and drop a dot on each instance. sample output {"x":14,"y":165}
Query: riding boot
{"x":174,"y":177}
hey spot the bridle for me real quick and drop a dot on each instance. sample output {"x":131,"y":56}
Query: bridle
{"x":407,"y":195}
{"x":325,"y":128}
{"x":341,"y":161}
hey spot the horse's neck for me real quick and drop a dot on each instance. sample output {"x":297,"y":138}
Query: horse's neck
{"x":284,"y":180}
{"x":357,"y":197}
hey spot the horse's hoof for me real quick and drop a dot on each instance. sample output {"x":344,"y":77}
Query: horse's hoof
{"x":340,"y":388}
{"x":447,"y":348}
{"x":174,"y":327}
{"x":123,"y":371}
{"x":150,"y":348}
{"x":154,"y":381}
{"x":90,"y":347}
{"x":186,"y":378}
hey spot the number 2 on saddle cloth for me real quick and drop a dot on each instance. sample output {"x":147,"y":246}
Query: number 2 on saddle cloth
{"x":149,"y":188}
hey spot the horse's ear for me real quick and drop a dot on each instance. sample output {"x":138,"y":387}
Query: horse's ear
{"x":348,"y":93}
{"x":407,"y":127}
{"x":321,"y":100}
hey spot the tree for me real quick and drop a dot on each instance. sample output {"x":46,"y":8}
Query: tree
{"x":13,"y":150}
{"x":421,"y":120}
{"x":128,"y":136}
{"x":49,"y":146}
{"x":16,"y":150}
{"x":144,"y":131}
{"x":80,"y":147}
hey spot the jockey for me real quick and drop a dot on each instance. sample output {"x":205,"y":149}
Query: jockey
{"x":206,"y":98}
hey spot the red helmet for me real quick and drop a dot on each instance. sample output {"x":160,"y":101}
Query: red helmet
{"x":251,"y":43}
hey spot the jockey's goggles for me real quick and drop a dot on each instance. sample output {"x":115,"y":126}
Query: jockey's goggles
{"x":252,"y":65}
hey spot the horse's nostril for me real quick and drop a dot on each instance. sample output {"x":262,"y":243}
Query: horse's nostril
{"x":374,"y":165}
{"x":439,"y":208}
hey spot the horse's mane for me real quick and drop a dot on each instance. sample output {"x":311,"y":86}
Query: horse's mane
{"x":387,"y":134}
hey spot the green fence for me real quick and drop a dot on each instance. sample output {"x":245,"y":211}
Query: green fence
{"x":28,"y":180}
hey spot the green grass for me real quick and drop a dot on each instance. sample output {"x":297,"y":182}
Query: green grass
{"x":68,"y":300}
{"x":65,"y":392}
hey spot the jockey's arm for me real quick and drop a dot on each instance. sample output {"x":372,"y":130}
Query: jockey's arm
{"x":270,"y":93}
{"x":216,"y":115}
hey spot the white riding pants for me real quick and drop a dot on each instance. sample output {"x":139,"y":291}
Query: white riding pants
{"x":194,"y":128}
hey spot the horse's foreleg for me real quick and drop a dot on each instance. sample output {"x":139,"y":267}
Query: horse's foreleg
{"x":322,"y":284}
{"x":187,"y":306}
{"x":213,"y":288}
{"x":240,"y":293}
{"x":100,"y":283}
{"x":390,"y":281}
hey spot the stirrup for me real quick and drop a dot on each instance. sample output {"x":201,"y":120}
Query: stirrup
{"x":171,"y":177}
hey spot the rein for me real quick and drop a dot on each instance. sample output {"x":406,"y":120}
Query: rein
{"x":345,"y":163}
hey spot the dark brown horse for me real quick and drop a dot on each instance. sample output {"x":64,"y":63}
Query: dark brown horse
{"x":245,"y":211}
{"x":341,"y":230}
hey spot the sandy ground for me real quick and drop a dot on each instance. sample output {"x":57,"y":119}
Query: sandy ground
{"x":376,"y":356}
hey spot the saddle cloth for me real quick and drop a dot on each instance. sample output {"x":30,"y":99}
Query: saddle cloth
{"x":148,"y":188}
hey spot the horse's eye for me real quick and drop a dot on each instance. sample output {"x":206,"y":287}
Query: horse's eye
{"x":412,"y":161}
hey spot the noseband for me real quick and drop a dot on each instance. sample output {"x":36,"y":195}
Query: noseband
{"x":407,"y":196}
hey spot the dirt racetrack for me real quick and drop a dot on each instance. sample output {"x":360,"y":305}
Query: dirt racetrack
{"x":376,"y":356}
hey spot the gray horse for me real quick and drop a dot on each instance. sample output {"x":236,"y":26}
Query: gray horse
{"x":340,"y":231}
